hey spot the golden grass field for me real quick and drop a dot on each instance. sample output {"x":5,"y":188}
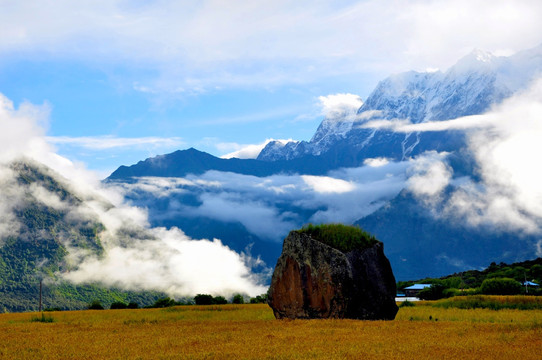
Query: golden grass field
{"x":251,"y":332}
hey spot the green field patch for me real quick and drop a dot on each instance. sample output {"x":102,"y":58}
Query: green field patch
{"x":491,"y":302}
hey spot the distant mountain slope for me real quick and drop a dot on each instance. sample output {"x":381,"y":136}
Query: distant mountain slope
{"x":191,"y":161}
{"x":43,"y":234}
{"x":418,"y":240}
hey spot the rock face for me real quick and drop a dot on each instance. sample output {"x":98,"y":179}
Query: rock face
{"x":314,"y":280}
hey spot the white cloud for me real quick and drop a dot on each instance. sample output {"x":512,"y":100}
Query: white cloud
{"x":108,"y":142}
{"x":430,"y":176}
{"x":269,"y":207}
{"x":211,"y":43}
{"x":376,"y":162}
{"x":405,"y":126}
{"x":259,"y":218}
{"x":338,"y":105}
{"x":172,"y":263}
{"x":505,"y":144}
{"x":136,"y":256}
{"x":246,"y":151}
{"x":327,"y":185}
{"x":506,"y":156}
{"x":23,"y":129}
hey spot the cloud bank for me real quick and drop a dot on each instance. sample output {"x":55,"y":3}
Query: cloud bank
{"x":337,"y":105}
{"x":269,"y":207}
{"x":136,"y":256}
{"x":505,"y":144}
{"x":247,"y":151}
{"x":211,"y":44}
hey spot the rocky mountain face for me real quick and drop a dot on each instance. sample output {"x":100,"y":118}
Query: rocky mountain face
{"x":314,"y":280}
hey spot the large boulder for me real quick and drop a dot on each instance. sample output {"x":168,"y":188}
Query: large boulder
{"x":315,"y":280}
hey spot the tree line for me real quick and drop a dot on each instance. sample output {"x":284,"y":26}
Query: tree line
{"x":199,"y":299}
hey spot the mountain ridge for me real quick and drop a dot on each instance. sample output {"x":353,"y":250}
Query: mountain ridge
{"x":476,"y":84}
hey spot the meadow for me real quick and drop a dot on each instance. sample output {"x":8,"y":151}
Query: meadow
{"x":250,"y":331}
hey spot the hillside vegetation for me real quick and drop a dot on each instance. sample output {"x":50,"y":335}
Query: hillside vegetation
{"x":39,"y":249}
{"x":341,"y":237}
{"x":496,"y":279}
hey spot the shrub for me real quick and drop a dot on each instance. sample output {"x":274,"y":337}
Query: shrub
{"x":118,"y":305}
{"x":238,"y":299}
{"x":500,"y":286}
{"x":341,"y":237}
{"x":95,"y":305}
{"x":407,"y":303}
{"x":203,"y":299}
{"x":451,"y":292}
{"x":259,"y":299}
{"x":52,"y":309}
{"x":164,"y":302}
{"x":43,"y":319}
{"x":206,"y":299}
{"x":133,"y":305}
{"x":434,"y":292}
{"x":219,"y":300}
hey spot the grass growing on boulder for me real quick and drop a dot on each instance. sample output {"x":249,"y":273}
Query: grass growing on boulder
{"x":341,"y":237}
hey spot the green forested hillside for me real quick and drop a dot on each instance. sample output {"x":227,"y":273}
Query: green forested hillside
{"x":530,"y":270}
{"x":38,"y":249}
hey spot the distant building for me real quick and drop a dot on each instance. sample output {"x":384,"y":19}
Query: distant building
{"x":415,"y":289}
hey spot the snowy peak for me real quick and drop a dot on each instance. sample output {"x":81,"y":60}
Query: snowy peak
{"x":340,"y":113}
{"x":482,"y":56}
{"x":471,"y":86}
{"x":476,"y":82}
{"x":477,"y":60}
{"x":402,"y":96}
{"x":410,"y":83}
{"x":276,"y":150}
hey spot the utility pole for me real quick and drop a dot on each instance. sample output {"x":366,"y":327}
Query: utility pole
{"x":41,"y":284}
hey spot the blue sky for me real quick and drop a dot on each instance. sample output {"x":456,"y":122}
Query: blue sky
{"x":125,"y":80}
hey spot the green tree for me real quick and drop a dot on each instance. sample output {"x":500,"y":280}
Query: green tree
{"x":259,"y":299}
{"x":95,"y":305}
{"x":434,"y":292}
{"x":118,"y":305}
{"x":203,"y":299}
{"x":219,"y":300}
{"x":164,"y":302}
{"x":500,"y":286}
{"x":238,"y":299}
{"x":133,"y":305}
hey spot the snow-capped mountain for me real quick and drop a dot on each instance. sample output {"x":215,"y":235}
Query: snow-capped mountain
{"x":354,"y":171}
{"x":474,"y":84}
{"x":333,"y":128}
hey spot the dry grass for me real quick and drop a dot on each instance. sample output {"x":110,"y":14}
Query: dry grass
{"x":251,"y":332}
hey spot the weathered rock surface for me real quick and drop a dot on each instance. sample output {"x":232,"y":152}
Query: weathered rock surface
{"x":314,"y":280}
